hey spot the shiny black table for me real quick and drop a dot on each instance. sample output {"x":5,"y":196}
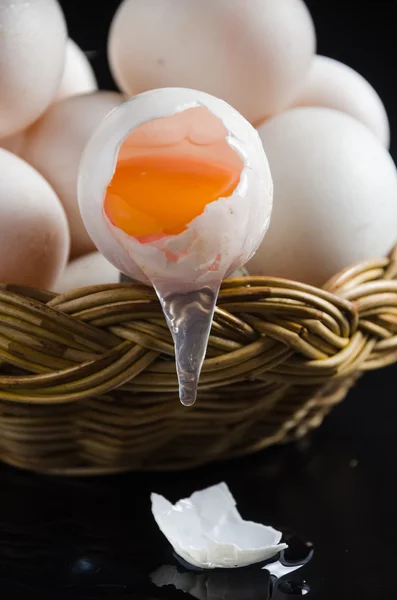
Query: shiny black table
{"x":96,"y":538}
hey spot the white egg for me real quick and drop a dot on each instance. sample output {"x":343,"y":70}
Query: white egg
{"x":335,"y":197}
{"x":54,"y":146}
{"x":253,"y":54}
{"x":78,"y":76}
{"x":91,"y":269}
{"x":220,"y":239}
{"x":32,"y":50}
{"x":33,"y":227}
{"x":332,"y":84}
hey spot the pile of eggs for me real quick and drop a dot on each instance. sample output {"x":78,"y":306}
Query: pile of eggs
{"x":323,"y":127}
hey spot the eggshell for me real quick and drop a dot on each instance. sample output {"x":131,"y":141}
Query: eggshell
{"x":208,"y":532}
{"x":335,"y":196}
{"x":78,"y":75}
{"x":215,"y":243}
{"x":332,"y":84}
{"x":91,"y":269}
{"x":32,"y":51}
{"x":33,"y":227}
{"x":54,"y":146}
{"x":254,"y":54}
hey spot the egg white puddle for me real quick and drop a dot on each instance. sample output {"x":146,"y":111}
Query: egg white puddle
{"x":235,"y":585}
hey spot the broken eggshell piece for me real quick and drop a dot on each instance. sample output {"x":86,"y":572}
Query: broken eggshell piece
{"x":207,"y":531}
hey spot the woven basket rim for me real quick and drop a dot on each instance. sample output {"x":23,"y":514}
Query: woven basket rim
{"x":88,"y":383}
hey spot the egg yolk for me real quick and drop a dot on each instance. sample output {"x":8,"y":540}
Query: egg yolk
{"x":161,"y":194}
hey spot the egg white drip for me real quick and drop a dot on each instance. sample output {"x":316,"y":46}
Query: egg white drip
{"x":228,"y":231}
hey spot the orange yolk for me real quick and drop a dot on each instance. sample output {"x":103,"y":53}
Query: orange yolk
{"x":161,"y":194}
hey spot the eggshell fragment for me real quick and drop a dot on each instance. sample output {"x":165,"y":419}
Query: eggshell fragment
{"x":331,"y":84}
{"x":254,"y":54}
{"x":335,"y":196}
{"x":78,"y":75}
{"x":91,"y":269}
{"x":33,"y":227}
{"x":54,"y":146}
{"x":208,"y":532}
{"x":32,"y":54}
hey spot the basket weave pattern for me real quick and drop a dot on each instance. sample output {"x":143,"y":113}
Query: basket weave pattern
{"x":88,"y":383}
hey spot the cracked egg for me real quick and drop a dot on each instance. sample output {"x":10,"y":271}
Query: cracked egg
{"x":175,"y":190}
{"x":175,"y":185}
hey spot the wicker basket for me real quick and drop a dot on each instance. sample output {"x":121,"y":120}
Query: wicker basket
{"x":88,"y":383}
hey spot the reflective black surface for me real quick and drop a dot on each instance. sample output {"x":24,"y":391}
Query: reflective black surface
{"x":97,"y":539}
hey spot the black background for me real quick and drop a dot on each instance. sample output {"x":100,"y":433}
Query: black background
{"x":335,"y":488}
